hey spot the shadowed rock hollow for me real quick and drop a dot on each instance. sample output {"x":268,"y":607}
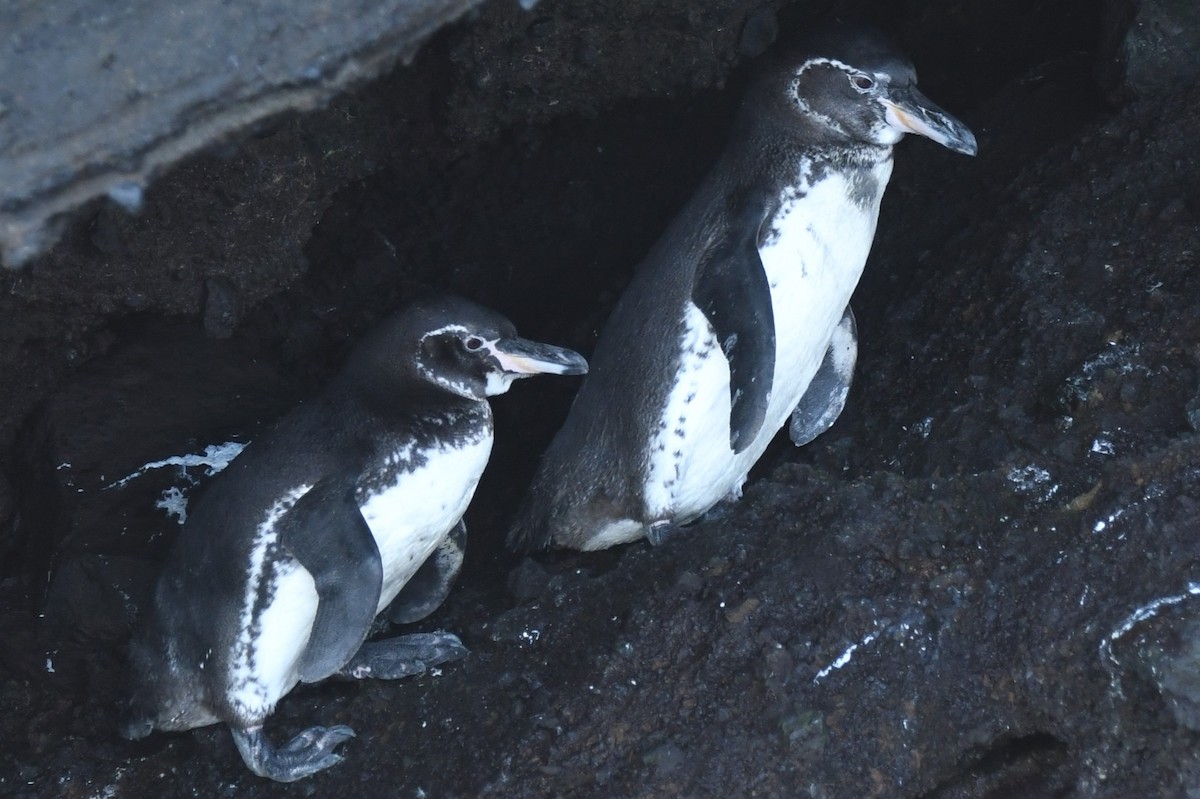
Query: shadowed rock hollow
{"x":982,"y":582}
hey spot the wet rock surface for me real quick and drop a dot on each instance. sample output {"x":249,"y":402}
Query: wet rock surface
{"x":982,"y":582}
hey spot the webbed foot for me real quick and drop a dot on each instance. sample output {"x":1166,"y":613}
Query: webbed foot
{"x":404,"y":656}
{"x":309,"y":752}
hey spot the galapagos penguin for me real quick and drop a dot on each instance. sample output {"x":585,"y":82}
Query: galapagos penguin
{"x":350,"y":504}
{"x":739,"y":316}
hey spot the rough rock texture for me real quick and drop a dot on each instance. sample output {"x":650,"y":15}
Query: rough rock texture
{"x":982,"y":582}
{"x":98,"y":99}
{"x":1154,"y":47}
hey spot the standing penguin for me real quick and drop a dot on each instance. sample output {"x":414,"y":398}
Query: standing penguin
{"x":351,"y":503}
{"x":739,"y":317}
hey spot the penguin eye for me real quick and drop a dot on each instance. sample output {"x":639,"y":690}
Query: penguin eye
{"x":473,"y":343}
{"x":862,"y":82}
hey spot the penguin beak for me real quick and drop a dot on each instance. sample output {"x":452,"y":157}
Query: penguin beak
{"x":909,"y":111}
{"x":523,"y":357}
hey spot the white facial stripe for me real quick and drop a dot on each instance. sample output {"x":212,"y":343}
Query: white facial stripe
{"x":803,"y":105}
{"x":823,"y":61}
{"x":881,"y":78}
{"x":886,"y":134}
{"x":453,"y":386}
{"x":446,"y":329}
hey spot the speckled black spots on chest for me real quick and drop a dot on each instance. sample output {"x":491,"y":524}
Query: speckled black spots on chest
{"x":424,"y":437}
{"x":739,"y":318}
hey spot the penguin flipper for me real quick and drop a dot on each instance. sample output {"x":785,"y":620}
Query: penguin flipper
{"x":823,"y":400}
{"x":732,"y":291}
{"x":428,"y":588}
{"x":325,"y":531}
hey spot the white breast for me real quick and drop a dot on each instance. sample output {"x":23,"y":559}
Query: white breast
{"x":813,"y":266}
{"x":813,"y":258}
{"x":411,"y":517}
{"x":408,"y":520}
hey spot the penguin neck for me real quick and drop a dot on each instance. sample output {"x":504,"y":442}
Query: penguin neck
{"x":793,"y":155}
{"x":415,"y":398}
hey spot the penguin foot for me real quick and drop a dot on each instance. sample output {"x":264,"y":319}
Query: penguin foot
{"x":309,"y":752}
{"x":405,"y":656}
{"x":660,"y":531}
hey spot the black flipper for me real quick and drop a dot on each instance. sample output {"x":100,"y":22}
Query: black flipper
{"x":731,"y":289}
{"x":825,"y":396}
{"x":325,"y":531}
{"x":427,"y":589}
{"x":403,"y":656}
{"x":309,"y":752}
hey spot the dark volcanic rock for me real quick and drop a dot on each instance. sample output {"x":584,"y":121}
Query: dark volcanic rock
{"x":982,"y":582}
{"x":1150,"y":47}
{"x":7,"y":502}
{"x":99,"y":464}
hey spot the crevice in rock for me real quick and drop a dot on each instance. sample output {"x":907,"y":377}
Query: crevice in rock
{"x":1032,"y":766}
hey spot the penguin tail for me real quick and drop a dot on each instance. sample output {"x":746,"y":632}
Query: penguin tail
{"x":530,"y":530}
{"x":137,"y":712}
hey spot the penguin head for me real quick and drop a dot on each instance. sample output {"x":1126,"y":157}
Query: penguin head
{"x":458,"y":347}
{"x":852,"y":85}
